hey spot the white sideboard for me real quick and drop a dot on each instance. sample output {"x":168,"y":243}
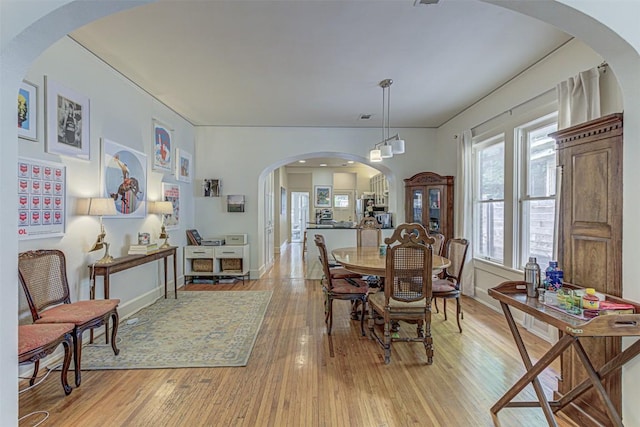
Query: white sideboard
{"x":216,"y":261}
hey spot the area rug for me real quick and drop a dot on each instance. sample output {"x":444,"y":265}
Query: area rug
{"x":199,"y":329}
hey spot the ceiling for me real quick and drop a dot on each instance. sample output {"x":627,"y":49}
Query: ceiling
{"x":318,"y":63}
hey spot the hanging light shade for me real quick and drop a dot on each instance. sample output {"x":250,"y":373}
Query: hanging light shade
{"x":375,"y":155}
{"x":397,"y":146}
{"x":386,"y":151}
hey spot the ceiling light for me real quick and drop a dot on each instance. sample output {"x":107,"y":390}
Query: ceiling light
{"x":351,"y":162}
{"x":323,"y":164}
{"x":389,"y":145}
{"x":302,"y":161}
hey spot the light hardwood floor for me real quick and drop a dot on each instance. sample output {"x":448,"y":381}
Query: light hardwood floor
{"x":298,"y":376}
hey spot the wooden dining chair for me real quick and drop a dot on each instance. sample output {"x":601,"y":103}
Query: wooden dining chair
{"x":335,"y":270}
{"x":355,"y":290}
{"x":448,"y":285}
{"x":407,"y":289}
{"x":43,"y":277}
{"x":439,"y":243}
{"x":368,"y":232}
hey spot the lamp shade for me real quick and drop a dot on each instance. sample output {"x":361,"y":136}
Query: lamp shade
{"x":163,"y":208}
{"x":386,"y":151}
{"x":397,"y":145}
{"x":100,"y":206}
{"x":375,"y":155}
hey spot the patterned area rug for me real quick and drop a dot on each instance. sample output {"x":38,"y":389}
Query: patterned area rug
{"x":199,"y":329}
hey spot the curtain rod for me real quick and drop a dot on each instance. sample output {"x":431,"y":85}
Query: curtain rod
{"x":510,"y":110}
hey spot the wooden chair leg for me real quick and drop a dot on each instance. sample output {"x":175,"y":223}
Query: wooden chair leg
{"x":444,"y":307}
{"x":36,"y":366}
{"x":330,"y":316}
{"x":77,"y":355}
{"x":458,"y":313}
{"x":362,"y":316}
{"x":387,"y":342}
{"x":114,"y":332}
{"x":68,"y":345}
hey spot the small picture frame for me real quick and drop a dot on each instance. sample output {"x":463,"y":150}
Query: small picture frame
{"x":28,"y":111}
{"x":235,"y":203}
{"x":67,"y":114}
{"x":211,"y":188}
{"x":144,"y":238}
{"x":322,"y":196}
{"x":162,"y":147}
{"x":183,"y":165}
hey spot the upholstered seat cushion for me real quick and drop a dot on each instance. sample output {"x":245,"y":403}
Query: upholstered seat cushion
{"x":378,"y":300}
{"x":442,"y":286}
{"x":345,"y":287}
{"x":31,"y":337}
{"x":78,"y":312}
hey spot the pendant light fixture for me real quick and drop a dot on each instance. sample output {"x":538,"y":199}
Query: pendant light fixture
{"x":390,"y":145}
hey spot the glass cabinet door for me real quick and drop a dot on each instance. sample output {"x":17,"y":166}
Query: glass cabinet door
{"x":417,"y":206}
{"x":435,"y":215}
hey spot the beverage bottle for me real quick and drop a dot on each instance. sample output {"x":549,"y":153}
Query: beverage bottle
{"x":532,"y":276}
{"x":551,"y":276}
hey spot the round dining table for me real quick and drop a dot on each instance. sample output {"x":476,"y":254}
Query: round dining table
{"x":369,"y":261}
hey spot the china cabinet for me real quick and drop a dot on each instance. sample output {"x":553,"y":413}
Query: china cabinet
{"x":429,"y":201}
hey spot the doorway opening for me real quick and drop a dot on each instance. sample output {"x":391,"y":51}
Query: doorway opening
{"x":299,"y":215}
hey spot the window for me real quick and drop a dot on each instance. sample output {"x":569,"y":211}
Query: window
{"x":537,"y":190}
{"x":341,"y":201}
{"x":514,"y":167}
{"x":489,"y":209}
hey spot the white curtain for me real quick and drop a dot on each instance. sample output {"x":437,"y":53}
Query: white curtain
{"x":464,"y":201}
{"x":579,"y":98}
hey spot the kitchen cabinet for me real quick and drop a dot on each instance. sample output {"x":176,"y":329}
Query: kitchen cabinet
{"x":429,"y":201}
{"x":380,"y":187}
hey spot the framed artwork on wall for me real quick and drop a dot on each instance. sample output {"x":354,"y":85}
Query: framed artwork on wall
{"x":162,"y":146}
{"x":124,"y":178}
{"x":171,"y":193}
{"x":42,"y":205}
{"x":322,"y":196}
{"x":67,"y":115}
{"x":28,"y":111}
{"x":235,"y":203}
{"x":183,"y":165}
{"x":211,"y":188}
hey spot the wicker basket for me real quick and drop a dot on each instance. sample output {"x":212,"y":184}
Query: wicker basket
{"x":231,"y":264}
{"x":202,"y":265}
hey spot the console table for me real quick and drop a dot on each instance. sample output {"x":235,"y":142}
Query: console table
{"x":574,"y":331}
{"x":131,"y":261}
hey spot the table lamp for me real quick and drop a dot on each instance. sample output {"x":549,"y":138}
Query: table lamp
{"x":162,"y":208}
{"x":100,"y":206}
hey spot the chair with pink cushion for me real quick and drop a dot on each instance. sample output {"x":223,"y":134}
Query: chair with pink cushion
{"x":36,"y":341}
{"x":43,"y":277}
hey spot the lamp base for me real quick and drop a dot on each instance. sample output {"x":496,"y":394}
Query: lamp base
{"x":106,"y":259}
{"x":166,"y":244}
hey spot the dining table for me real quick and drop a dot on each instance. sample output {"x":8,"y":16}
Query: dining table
{"x":371,"y":261}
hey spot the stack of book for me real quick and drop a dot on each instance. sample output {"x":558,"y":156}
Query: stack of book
{"x":142,"y":249}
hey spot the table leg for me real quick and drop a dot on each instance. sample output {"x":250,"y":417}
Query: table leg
{"x":175,"y":274}
{"x":165,"y":277}
{"x":531,"y":376}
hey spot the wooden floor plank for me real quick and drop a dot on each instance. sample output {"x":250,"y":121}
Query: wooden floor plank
{"x":292,"y":379}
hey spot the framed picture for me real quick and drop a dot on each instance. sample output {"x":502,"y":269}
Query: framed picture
{"x":322,"y":196}
{"x":42,"y":205}
{"x":183,"y":165}
{"x":171,"y":193}
{"x":211,"y":188}
{"x":124,"y":178}
{"x":235,"y":203}
{"x":28,"y":111}
{"x":67,"y":114}
{"x":162,"y":141}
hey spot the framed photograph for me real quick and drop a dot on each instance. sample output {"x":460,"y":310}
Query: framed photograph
{"x":183,"y":165}
{"x":171,"y":193}
{"x":322,"y":196}
{"x":42,"y":205}
{"x":28,"y":111}
{"x":235,"y":203}
{"x":211,"y":188}
{"x":67,"y":114}
{"x":124,"y":178}
{"x":144,"y":238}
{"x":162,"y":143}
